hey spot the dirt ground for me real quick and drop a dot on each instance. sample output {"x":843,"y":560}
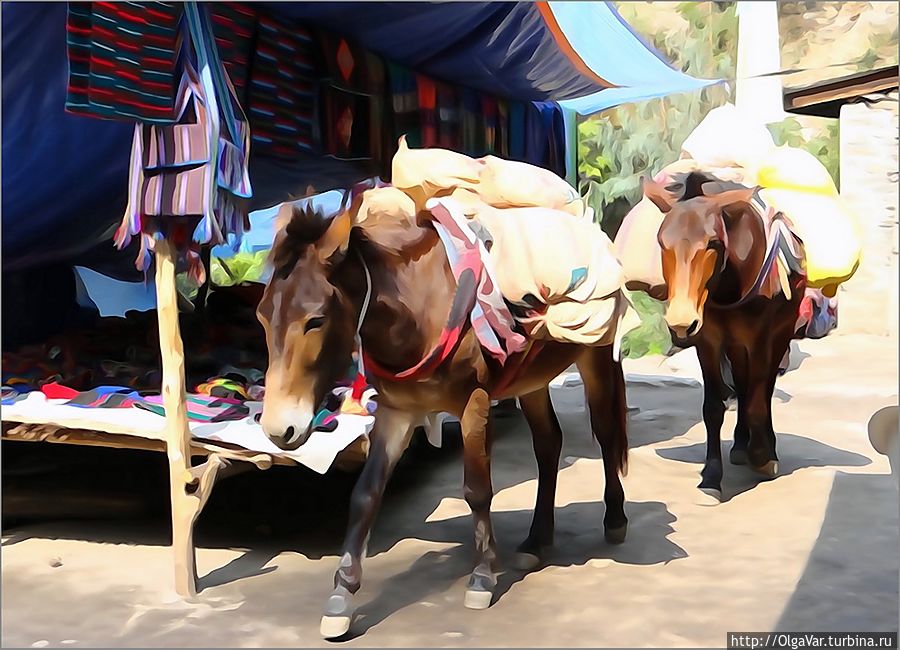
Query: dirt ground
{"x":816,"y":549}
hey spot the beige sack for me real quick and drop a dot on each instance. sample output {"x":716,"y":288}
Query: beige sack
{"x":423,"y":173}
{"x":537,"y":251}
{"x":386,"y":203}
{"x":726,"y":138}
{"x":512,"y":184}
{"x":637,"y":248}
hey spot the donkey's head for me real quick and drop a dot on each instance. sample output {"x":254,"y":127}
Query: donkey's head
{"x":693,"y":239}
{"x":309,"y":322}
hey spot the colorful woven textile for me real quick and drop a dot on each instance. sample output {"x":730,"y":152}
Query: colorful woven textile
{"x":427,"y":92}
{"x":490,"y":317}
{"x":490,"y":124}
{"x":105,"y":397}
{"x":405,"y":105}
{"x":201,"y":408}
{"x":382,"y":143}
{"x":471,"y":122}
{"x":122,"y":59}
{"x":234,"y":26}
{"x":224,"y":387}
{"x":449,"y":136}
{"x":352,"y":100}
{"x":545,"y":137}
{"x":347,"y":120}
{"x":517,"y":130}
{"x":11,"y":395}
{"x":189,"y":180}
{"x":283,"y":90}
{"x":502,"y":143}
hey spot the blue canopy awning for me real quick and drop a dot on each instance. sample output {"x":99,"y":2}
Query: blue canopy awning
{"x":64,"y":176}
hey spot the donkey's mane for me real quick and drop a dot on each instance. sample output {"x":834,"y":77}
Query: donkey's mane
{"x":690,"y":185}
{"x":305,"y":226}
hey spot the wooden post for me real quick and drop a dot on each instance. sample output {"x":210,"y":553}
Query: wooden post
{"x":189,"y":487}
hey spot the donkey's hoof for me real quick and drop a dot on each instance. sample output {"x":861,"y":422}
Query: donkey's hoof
{"x":768,"y":469}
{"x":525,"y":561}
{"x":615,"y":535}
{"x":738,"y":456}
{"x":478,"y":599}
{"x":333,"y":627}
{"x":709,"y":496}
{"x":339,"y":612}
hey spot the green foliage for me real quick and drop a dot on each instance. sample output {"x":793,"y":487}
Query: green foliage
{"x":824,"y":143}
{"x":618,"y":146}
{"x":652,"y":336}
{"x":185,"y":286}
{"x":243,"y":267}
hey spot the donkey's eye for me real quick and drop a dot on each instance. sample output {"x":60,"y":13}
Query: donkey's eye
{"x":313,"y":323}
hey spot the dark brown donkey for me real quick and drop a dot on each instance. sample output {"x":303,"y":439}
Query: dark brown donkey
{"x":310,"y":310}
{"x":725,"y":298}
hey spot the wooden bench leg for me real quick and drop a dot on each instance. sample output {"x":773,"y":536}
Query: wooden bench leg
{"x":188,"y":492}
{"x":190,"y":487}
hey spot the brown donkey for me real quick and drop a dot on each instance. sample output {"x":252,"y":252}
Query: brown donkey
{"x":323,"y":271}
{"x":727,"y":298}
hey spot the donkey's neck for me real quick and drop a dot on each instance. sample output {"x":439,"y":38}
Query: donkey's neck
{"x":410,"y":297}
{"x":744,"y":256}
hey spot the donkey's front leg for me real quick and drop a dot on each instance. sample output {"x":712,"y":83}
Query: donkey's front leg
{"x":476,"y":433}
{"x":390,"y":437}
{"x":709,"y":352}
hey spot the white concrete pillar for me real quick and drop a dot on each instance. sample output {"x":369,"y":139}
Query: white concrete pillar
{"x":759,"y":52}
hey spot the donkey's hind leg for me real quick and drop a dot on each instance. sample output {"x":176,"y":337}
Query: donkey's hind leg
{"x":546,"y":437}
{"x":604,"y":386}
{"x":389,"y":439}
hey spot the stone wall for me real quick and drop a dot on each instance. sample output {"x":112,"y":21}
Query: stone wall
{"x":869,"y":182}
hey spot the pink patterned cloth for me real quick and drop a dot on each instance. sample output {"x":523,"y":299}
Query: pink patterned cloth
{"x":490,"y":317}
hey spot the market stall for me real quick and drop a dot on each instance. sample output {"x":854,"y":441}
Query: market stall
{"x":232,"y":107}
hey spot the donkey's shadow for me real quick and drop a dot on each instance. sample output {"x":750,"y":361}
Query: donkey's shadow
{"x":578,"y":540}
{"x":794,"y":453}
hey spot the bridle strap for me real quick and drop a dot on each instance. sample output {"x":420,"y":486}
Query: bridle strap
{"x":362,"y":313}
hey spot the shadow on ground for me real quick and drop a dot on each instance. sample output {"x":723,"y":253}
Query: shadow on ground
{"x":121,"y":496}
{"x":794,"y":453}
{"x":861,"y":594}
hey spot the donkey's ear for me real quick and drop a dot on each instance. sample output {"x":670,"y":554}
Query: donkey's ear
{"x":659,"y":195}
{"x":728,"y":197}
{"x":336,"y":239}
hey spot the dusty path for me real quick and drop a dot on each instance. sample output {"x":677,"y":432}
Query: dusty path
{"x":815,"y":549}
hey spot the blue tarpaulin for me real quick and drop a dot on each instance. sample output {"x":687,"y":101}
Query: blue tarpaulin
{"x":64,"y":176}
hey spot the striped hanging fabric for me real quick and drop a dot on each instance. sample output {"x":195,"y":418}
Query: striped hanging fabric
{"x":427,"y":92}
{"x":123,"y":59}
{"x":283,"y":90}
{"x":502,"y":146}
{"x":405,"y":105}
{"x":189,"y":179}
{"x":489,"y":117}
{"x":449,"y":136}
{"x":235,"y":27}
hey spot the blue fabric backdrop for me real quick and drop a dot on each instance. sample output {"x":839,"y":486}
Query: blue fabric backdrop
{"x":64,"y":176}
